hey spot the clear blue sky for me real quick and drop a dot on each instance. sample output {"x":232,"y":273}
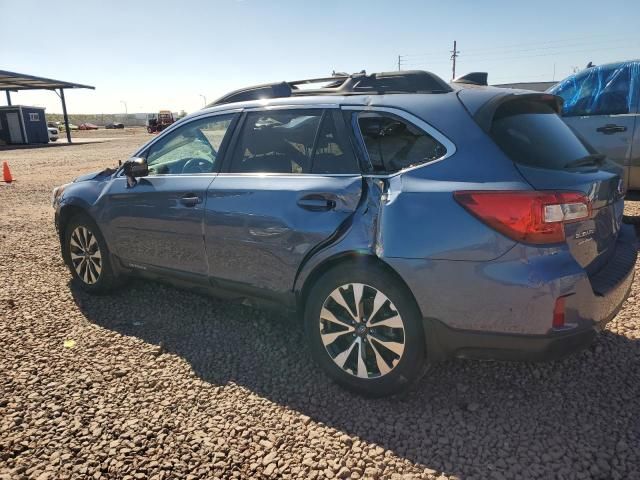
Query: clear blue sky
{"x":161,"y":54}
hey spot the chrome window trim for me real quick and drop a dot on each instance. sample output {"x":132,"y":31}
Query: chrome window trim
{"x":181,"y":175}
{"x":296,"y":106}
{"x":288,"y":175}
{"x":449,"y":146}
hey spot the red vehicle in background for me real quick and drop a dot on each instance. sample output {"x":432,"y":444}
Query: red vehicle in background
{"x":160,"y":122}
{"x":87,"y":126}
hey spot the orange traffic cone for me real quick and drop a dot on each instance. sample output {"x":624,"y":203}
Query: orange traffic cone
{"x":6,"y":173}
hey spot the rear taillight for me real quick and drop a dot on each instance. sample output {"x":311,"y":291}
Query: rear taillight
{"x":527,"y":216}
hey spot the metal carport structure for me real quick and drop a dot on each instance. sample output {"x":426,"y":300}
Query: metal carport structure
{"x":12,"y":82}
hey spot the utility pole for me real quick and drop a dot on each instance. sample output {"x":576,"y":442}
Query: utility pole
{"x":454,"y":55}
{"x":399,"y":62}
{"x":204,"y":99}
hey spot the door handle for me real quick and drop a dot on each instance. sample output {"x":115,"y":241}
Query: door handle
{"x":316,"y":203}
{"x":611,"y":128}
{"x":190,"y":200}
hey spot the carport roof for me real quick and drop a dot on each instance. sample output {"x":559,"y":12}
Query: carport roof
{"x":20,"y":81}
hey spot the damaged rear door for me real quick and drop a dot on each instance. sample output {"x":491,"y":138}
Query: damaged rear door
{"x":289,"y":184}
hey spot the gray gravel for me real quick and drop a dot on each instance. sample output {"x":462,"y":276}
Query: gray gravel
{"x":163,"y":383}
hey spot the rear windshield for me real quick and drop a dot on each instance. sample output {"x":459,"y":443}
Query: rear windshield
{"x":531,"y":133}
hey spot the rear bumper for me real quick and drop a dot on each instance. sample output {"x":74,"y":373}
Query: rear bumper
{"x":496,"y":346}
{"x":503,"y":309}
{"x":448,"y":342}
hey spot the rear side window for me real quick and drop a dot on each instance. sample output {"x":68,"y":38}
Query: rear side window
{"x":276,"y":141}
{"x":293,"y":141}
{"x":531,"y":133}
{"x":393,"y":144}
{"x":333,"y":154}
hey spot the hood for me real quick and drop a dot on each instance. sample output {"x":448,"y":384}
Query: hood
{"x":100,"y":176}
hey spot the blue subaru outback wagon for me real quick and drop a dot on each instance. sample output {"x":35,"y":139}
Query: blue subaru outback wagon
{"x":406,"y":219}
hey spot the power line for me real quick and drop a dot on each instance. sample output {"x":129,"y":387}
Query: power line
{"x":559,"y":45}
{"x":548,"y":42}
{"x":550,"y":54}
{"x":609,"y":44}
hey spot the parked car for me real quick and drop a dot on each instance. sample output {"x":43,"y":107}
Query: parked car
{"x":53,"y":134}
{"x":72,"y":126}
{"x":403,"y":227}
{"x":602,"y":104}
{"x":113,"y":125}
{"x":87,"y":126}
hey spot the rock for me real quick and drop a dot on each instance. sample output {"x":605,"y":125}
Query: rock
{"x":270,"y":457}
{"x":344,"y":472}
{"x":270,"y":469}
{"x":473,"y":406}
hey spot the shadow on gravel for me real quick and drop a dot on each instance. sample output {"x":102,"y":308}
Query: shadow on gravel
{"x":581,"y":414}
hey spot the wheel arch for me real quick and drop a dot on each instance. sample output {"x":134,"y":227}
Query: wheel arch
{"x":66,"y":213}
{"x":433,"y":350}
{"x":354,"y":257}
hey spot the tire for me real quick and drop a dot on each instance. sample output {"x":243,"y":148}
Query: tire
{"x":92,"y":272}
{"x":392,"y":339}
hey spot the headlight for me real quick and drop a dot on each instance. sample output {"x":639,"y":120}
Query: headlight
{"x":57,"y":193}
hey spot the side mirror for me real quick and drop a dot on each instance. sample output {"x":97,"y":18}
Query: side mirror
{"x":134,"y":168}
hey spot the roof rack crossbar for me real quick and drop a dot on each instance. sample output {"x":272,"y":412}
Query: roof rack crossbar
{"x":318,"y":80}
{"x":408,"y":81}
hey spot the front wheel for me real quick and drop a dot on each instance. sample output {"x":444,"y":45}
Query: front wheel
{"x":86,"y":254}
{"x":365,"y":329}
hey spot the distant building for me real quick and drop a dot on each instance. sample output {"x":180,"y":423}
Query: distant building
{"x":21,"y":124}
{"x":536,"y":86}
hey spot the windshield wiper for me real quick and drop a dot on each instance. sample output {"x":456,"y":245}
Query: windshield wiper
{"x":594,"y":159}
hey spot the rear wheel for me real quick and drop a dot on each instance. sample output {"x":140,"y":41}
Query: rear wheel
{"x":87,"y":256}
{"x":365,"y":329}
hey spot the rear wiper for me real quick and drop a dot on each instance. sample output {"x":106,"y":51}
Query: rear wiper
{"x":595,"y":159}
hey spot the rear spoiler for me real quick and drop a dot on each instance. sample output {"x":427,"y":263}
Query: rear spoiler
{"x":484,"y":115}
{"x":473,"y":78}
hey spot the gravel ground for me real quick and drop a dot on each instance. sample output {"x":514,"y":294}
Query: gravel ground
{"x":154,"y":382}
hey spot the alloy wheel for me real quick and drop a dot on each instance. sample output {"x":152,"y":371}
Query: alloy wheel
{"x":362,"y":331}
{"x":85,"y":255}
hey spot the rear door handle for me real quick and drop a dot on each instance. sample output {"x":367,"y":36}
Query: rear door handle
{"x":190,"y":200}
{"x":316,"y":203}
{"x":611,"y":128}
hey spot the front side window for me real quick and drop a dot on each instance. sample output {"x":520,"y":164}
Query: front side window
{"x":394,"y":144}
{"x":190,"y":149}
